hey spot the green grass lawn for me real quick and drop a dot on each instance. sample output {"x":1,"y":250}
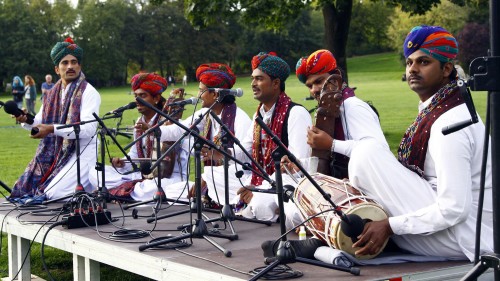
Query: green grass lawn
{"x":376,"y":77}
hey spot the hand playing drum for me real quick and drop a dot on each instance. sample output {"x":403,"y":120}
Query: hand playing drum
{"x":327,"y":226}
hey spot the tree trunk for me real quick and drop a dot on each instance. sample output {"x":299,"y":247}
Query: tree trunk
{"x":337,"y":20}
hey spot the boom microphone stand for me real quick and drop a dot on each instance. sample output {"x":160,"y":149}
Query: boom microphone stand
{"x":78,"y":188}
{"x":160,"y":195}
{"x":227,"y":214}
{"x":199,"y":229}
{"x":351,"y":224}
{"x":484,"y":72}
{"x":246,"y":166}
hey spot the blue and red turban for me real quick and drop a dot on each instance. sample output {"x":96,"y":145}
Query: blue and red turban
{"x":216,"y":75}
{"x":435,"y":41}
{"x":271,"y":65}
{"x":152,"y":83}
{"x":62,"y":49}
{"x":319,"y":62}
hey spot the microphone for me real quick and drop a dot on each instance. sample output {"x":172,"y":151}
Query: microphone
{"x":227,"y":92}
{"x":121,"y":109}
{"x":10,"y":107}
{"x":354,"y":227}
{"x":146,"y":168}
{"x":192,"y":100}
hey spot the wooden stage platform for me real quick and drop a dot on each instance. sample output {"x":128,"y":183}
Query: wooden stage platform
{"x":89,"y":250}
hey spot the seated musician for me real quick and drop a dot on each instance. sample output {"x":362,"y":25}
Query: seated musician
{"x":52,"y":173}
{"x":286,"y":119}
{"x":136,"y":185}
{"x":210,"y":76}
{"x":356,"y":121}
{"x":431,"y":190}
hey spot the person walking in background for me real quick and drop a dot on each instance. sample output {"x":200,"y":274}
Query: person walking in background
{"x":46,"y":86}
{"x":184,"y":80}
{"x":18,"y":91}
{"x":30,"y":94}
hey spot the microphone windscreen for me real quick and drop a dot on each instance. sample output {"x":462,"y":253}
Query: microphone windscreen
{"x":10,"y":107}
{"x":354,"y":228}
{"x":146,"y":168}
{"x":132,"y":105}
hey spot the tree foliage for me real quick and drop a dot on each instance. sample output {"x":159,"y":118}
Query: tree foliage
{"x":473,"y":41}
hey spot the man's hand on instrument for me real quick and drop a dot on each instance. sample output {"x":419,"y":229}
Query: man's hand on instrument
{"x":141,"y":126}
{"x":245,"y":195}
{"x":117,"y":162}
{"x":373,"y":237}
{"x":319,"y":139}
{"x":211,"y":154}
{"x":287,"y":164}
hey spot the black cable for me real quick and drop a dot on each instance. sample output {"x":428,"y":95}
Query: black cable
{"x":29,"y":251}
{"x":42,"y":248}
{"x":281,"y":271}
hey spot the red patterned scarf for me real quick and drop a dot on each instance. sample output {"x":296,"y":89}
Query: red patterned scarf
{"x":53,"y":152}
{"x":228,"y":115}
{"x":260,"y":138}
{"x":418,"y":134}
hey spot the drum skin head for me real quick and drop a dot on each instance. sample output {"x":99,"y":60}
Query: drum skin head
{"x":367,"y":210}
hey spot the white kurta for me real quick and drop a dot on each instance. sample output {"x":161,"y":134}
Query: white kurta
{"x":434,"y":215}
{"x":263,"y":206}
{"x":174,"y":187}
{"x":66,"y":180}
{"x":214,"y":175}
{"x":359,"y":122}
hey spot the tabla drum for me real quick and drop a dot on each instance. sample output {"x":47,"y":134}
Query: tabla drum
{"x":326,"y":226}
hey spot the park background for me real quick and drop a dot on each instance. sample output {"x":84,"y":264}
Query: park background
{"x":121,"y":38}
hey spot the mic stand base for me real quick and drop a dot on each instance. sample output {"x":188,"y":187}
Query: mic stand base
{"x":199,"y":230}
{"x":486,"y":262}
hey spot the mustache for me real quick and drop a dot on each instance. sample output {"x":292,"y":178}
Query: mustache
{"x":414,"y":77}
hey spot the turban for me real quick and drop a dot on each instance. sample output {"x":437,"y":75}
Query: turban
{"x":62,"y":49}
{"x":152,"y":83}
{"x":271,"y":65}
{"x":216,"y":75}
{"x":319,"y":62}
{"x":435,"y":41}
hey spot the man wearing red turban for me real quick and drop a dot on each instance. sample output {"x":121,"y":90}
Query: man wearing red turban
{"x":213,"y":76}
{"x":356,"y":121}
{"x":142,"y":186}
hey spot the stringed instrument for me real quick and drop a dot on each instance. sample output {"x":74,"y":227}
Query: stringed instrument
{"x":166,"y":167}
{"x":329,"y":101}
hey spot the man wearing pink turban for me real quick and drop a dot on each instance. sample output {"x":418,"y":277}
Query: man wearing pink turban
{"x":212,"y":76}
{"x":431,"y":190}
{"x":123,"y":183}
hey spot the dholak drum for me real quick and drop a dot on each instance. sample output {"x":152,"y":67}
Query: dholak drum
{"x":327,"y":226}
